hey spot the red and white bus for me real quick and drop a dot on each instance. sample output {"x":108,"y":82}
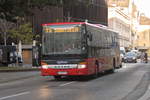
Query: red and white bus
{"x":78,"y":49}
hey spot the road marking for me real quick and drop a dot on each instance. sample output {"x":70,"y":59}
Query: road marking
{"x":66,"y":83}
{"x":14,"y":95}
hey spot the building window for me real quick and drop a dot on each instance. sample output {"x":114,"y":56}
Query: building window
{"x":144,"y":35}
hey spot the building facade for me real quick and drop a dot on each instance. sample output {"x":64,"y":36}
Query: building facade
{"x":120,"y":22}
{"x":142,"y":42}
{"x":140,"y":30}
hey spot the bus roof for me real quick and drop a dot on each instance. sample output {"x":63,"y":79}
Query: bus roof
{"x":101,"y":27}
{"x":63,"y":23}
{"x":94,"y":25}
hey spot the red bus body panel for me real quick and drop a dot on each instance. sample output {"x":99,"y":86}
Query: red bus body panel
{"x":65,"y":23}
{"x":72,"y":72}
{"x":89,"y":70}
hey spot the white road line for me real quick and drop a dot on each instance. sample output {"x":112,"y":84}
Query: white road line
{"x":66,"y":83}
{"x":14,"y":95}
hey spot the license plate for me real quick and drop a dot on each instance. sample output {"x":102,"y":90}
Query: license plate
{"x":62,"y":73}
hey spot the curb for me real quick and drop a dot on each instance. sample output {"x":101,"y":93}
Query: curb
{"x":146,"y":96}
{"x":20,"y":70}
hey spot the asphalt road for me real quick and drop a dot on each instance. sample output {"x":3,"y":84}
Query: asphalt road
{"x":128,"y":83}
{"x":11,"y":76}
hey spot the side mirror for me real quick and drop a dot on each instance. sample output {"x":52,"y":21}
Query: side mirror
{"x":90,"y":37}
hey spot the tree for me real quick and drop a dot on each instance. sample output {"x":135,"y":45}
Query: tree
{"x":22,"y":33}
{"x":13,"y":11}
{"x":9,"y":9}
{"x":5,"y":26}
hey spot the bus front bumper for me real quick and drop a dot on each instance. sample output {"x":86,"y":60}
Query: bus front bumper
{"x":64,"y":72}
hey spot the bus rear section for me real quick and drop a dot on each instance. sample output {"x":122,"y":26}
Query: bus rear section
{"x":70,"y":49}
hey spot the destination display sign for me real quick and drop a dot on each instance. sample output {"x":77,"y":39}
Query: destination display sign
{"x":56,"y":30}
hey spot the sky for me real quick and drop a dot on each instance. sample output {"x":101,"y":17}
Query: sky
{"x":143,"y":6}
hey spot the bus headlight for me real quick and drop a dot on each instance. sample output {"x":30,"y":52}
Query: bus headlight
{"x":44,"y":66}
{"x":81,"y":66}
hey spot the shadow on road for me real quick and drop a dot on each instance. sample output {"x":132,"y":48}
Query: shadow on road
{"x":80,"y":78}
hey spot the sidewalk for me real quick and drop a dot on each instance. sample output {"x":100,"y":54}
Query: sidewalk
{"x":146,"y":96}
{"x":19,"y":69}
{"x":13,"y":76}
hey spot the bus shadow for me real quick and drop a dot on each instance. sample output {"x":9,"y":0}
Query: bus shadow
{"x":80,"y":78}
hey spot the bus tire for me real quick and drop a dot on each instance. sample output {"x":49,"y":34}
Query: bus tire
{"x":96,"y":74}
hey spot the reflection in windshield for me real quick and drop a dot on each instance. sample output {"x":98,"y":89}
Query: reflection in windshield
{"x":62,"y":43}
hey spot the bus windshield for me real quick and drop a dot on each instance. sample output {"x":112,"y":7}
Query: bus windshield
{"x":62,"y":40}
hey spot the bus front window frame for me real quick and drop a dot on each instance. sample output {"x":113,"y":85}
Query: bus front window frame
{"x":82,"y":42}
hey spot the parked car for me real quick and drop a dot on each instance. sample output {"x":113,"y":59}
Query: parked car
{"x":122,"y":50}
{"x":122,"y":53}
{"x":122,"y":57}
{"x":137,"y":53}
{"x":130,"y":57}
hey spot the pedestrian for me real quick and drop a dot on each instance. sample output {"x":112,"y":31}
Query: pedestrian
{"x":145,"y":57}
{"x":142,"y":57}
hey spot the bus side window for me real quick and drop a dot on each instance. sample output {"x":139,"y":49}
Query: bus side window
{"x":90,"y":36}
{"x":1,"y":54}
{"x":89,"y":52}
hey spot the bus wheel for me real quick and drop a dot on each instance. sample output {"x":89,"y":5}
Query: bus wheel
{"x":57,"y":77}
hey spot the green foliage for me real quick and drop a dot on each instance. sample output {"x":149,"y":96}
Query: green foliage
{"x":23,"y":33}
{"x":42,"y":3}
{"x":9,"y":9}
